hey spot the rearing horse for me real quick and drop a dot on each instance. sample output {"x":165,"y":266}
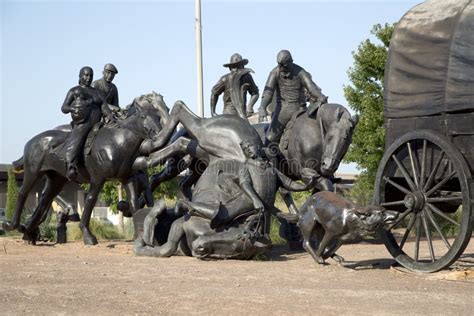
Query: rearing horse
{"x":316,"y":145}
{"x":111,"y":157}
{"x":208,"y":138}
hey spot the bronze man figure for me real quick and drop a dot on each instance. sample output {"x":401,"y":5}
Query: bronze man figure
{"x":290,"y":82}
{"x":86,"y":106}
{"x":106,"y":86}
{"x":235,"y":86}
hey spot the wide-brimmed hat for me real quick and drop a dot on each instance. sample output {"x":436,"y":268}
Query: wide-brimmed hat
{"x":236,"y":60}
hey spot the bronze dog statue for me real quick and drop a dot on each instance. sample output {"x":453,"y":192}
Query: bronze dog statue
{"x":332,"y":220}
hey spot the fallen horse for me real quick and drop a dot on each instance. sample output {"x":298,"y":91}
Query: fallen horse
{"x":228,"y":215}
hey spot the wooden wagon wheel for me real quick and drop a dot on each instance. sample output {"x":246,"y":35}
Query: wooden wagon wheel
{"x":424,"y":177}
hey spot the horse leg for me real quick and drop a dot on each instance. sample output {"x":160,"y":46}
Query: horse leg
{"x":327,"y":239}
{"x":190,"y":179}
{"x":182,"y":146}
{"x":166,"y":250}
{"x":145,"y":189}
{"x":29,"y":181}
{"x":331,"y":252}
{"x":131,"y":188}
{"x":91,"y":199}
{"x":173,"y":168}
{"x":179,"y":114}
{"x":54,"y":185}
{"x":61,"y":228}
{"x":308,"y":227}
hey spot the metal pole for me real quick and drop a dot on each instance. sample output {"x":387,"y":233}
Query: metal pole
{"x":200,"y":98}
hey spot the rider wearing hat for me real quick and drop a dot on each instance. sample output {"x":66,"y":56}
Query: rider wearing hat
{"x":291,"y":83}
{"x":235,"y":86}
{"x":106,"y":86}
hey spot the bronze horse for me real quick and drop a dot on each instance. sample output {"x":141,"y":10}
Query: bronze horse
{"x":237,"y":206}
{"x":111,"y":156}
{"x":315,"y":148}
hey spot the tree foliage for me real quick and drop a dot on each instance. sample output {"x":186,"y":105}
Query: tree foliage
{"x":110,"y":196}
{"x":12,"y":194}
{"x":365,"y":97}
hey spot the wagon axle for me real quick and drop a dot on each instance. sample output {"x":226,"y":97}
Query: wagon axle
{"x":415,"y":201}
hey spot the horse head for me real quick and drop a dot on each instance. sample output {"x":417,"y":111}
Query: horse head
{"x":337,"y":140}
{"x":144,"y":119}
{"x":157,"y":101}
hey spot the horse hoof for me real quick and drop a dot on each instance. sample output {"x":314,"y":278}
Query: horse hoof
{"x":338,"y":259}
{"x":21,"y":228}
{"x":90,"y":240}
{"x":61,"y":238}
{"x":31,"y":236}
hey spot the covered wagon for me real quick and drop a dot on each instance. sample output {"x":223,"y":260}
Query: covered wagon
{"x":426,"y":170}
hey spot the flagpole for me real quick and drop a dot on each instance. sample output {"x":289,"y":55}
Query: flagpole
{"x":200,"y":98}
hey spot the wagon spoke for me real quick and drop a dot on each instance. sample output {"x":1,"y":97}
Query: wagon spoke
{"x":410,"y":225}
{"x":396,"y":185}
{"x":418,"y":233}
{"x":436,"y":226}
{"x":428,"y":236}
{"x":444,"y":199}
{"x":400,"y":219}
{"x":405,"y":173}
{"x":401,"y":202}
{"x":439,"y":184}
{"x":440,"y":213}
{"x":412,"y":162}
{"x":423,"y":164}
{"x":433,"y":172}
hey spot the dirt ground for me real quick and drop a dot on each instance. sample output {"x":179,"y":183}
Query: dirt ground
{"x":108,"y":279}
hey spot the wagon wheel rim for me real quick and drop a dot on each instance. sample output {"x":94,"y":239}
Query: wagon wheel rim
{"x":424,"y":178}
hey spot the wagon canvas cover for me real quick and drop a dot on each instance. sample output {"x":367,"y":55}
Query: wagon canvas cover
{"x":430,"y":66}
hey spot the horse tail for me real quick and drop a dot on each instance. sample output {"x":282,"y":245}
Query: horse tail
{"x":18,"y":165}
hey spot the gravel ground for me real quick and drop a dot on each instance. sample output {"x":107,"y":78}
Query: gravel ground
{"x":108,"y":279}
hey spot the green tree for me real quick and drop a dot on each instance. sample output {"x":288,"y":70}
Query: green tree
{"x":110,"y":196}
{"x":365,"y":97}
{"x":12,"y":194}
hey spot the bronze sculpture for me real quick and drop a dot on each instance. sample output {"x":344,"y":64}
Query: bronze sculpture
{"x":83,"y":102}
{"x":228,"y":215}
{"x":227,"y":212}
{"x":104,"y":84}
{"x":110,"y":156}
{"x":289,"y":82}
{"x":334,"y":220}
{"x":312,"y":146}
{"x":235,"y":85}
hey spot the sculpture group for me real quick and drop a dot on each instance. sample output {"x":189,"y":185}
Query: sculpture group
{"x":230,"y":198}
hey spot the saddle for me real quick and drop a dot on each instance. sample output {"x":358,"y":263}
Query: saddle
{"x":91,"y":136}
{"x":59,"y":149}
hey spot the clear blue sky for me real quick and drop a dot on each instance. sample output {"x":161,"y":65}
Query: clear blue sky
{"x":43,"y":44}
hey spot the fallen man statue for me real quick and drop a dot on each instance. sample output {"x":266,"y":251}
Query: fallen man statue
{"x":331,"y":220}
{"x":228,"y":215}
